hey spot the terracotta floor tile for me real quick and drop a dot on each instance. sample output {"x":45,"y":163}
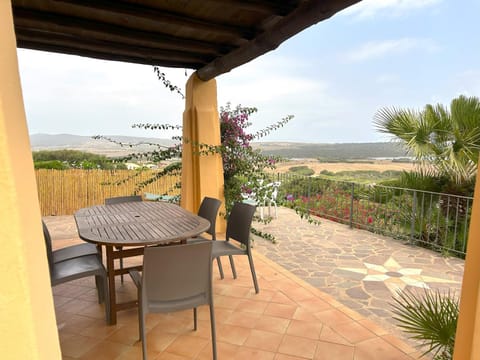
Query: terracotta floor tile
{"x":251,"y":306}
{"x":272,"y":324}
{"x":78,"y":345}
{"x":297,"y":346}
{"x":135,"y":353}
{"x":306,"y":329}
{"x":353,"y":332}
{"x":127,"y":335}
{"x":226,"y":302}
{"x":303,"y":314}
{"x":105,"y":350}
{"x":378,"y":349}
{"x":373,"y":327}
{"x":171,"y":356}
{"x":98,"y":329}
{"x":332,"y":317}
{"x":264,"y":340}
{"x":188,"y":346}
{"x":245,"y":353}
{"x":158,"y":341}
{"x":224,"y":351}
{"x":281,"y":298}
{"x":264,"y":295}
{"x":329,"y":351}
{"x":232,"y":334}
{"x":399,"y":344}
{"x":287,"y":357}
{"x":247,"y":320}
{"x":314,"y":305}
{"x":328,"y":335}
{"x":298,"y":293}
{"x":280,"y":310}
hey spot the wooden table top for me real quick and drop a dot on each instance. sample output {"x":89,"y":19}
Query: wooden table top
{"x":138,"y":223}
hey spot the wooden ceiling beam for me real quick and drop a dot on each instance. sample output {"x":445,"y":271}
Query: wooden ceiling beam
{"x":310,"y":13}
{"x":163,"y":17}
{"x":76,"y":26}
{"x":34,"y":45}
{"x":273,"y":7}
{"x":103,"y":46}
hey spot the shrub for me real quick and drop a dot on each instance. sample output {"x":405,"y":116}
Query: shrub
{"x":301,"y":170}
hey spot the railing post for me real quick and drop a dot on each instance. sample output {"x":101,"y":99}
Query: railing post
{"x":309,"y":190}
{"x":351,"y":205}
{"x":414,"y":211}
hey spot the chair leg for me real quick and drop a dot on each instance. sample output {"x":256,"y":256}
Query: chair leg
{"x":232,"y":264}
{"x":195,"y":318}
{"x":254,"y":275}
{"x":100,"y":288}
{"x":212,"y":327}
{"x":220,"y":268}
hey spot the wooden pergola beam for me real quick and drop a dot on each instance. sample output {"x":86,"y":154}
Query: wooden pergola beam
{"x":308,"y":14}
{"x":163,"y":17}
{"x":280,"y":8}
{"x":105,"y":55}
{"x":99,"y":46}
{"x":36,"y":19}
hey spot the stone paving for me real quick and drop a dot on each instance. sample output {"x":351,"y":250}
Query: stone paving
{"x":358,"y":268}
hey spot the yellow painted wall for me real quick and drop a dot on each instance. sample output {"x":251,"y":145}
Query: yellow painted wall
{"x":27,"y":318}
{"x":201,"y":175}
{"x":467,"y":340}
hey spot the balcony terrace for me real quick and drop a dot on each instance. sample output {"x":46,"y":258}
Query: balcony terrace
{"x":318,"y":300}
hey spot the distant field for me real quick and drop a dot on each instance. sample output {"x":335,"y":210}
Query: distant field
{"x":317,"y":166}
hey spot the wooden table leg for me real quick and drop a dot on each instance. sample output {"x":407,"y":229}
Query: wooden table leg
{"x":111,"y":285}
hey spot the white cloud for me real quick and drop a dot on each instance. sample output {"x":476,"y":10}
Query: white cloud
{"x":378,"y":49}
{"x":367,"y":9}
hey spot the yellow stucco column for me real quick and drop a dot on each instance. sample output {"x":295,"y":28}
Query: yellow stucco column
{"x":467,"y":339}
{"x":27,"y":318}
{"x":202,"y":175}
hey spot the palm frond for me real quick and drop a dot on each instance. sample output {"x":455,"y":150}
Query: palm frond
{"x":429,"y":317}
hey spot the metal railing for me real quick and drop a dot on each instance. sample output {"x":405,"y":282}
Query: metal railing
{"x":434,"y":220}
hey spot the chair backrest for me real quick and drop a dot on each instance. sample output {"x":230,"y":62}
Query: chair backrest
{"x":274,"y":194}
{"x":122,"y":199}
{"x":48,"y":244}
{"x":209,"y":210}
{"x":239,"y":223}
{"x":177,"y":277}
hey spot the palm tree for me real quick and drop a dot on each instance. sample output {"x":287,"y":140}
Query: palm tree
{"x":446,"y":144}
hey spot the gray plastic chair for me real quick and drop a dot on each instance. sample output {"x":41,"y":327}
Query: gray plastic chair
{"x":69,"y":252}
{"x":119,"y":200}
{"x":238,"y":228}
{"x":209,"y":210}
{"x":175,"y":278}
{"x":70,"y":269}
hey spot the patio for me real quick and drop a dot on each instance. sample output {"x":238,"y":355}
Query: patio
{"x":288,"y":319}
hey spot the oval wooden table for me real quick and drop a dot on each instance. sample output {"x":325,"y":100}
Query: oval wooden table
{"x":134,"y":224}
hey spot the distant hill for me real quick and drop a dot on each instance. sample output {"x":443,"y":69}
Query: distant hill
{"x":340,"y":151}
{"x":101,"y":146}
{"x":291,"y":150}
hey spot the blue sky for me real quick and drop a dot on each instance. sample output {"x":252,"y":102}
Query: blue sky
{"x":332,"y":77}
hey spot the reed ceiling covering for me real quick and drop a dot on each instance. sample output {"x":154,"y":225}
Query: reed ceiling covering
{"x":210,"y":36}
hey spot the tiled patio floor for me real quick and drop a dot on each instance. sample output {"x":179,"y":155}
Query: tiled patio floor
{"x":289,"y":319}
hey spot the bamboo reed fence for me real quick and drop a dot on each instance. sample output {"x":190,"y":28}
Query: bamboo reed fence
{"x":62,"y":192}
